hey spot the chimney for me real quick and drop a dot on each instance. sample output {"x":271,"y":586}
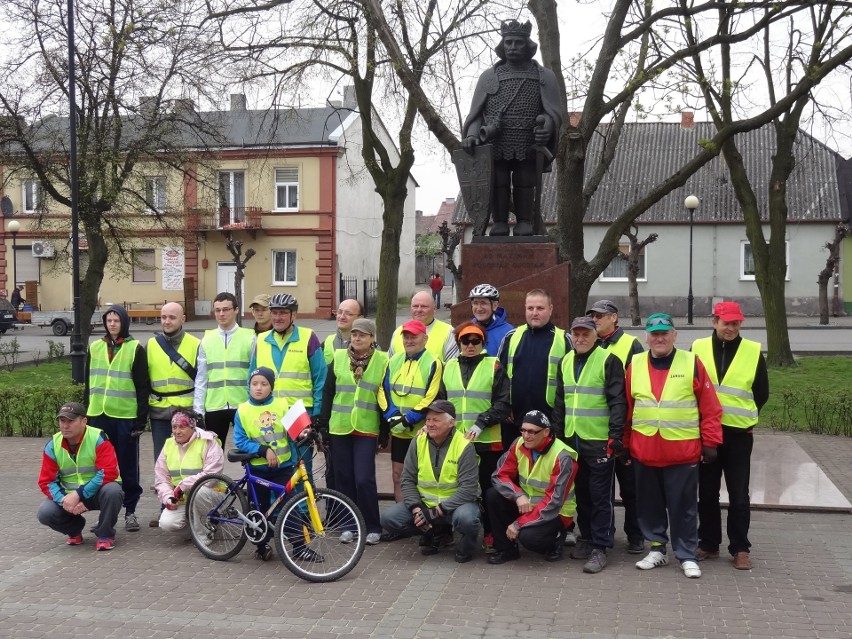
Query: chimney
{"x":349,"y":99}
{"x":574,"y":118}
{"x":418,"y":213}
{"x":184,"y":105}
{"x":687,"y":120}
{"x":238,"y":102}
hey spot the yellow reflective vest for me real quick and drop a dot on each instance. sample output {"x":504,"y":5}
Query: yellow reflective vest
{"x":78,"y":470}
{"x":438,"y":333}
{"x":434,"y":490}
{"x":227,"y":368}
{"x":168,"y":377}
{"x":262,"y":423}
{"x":111,"y":388}
{"x":621,"y":349}
{"x":190,"y":464}
{"x":734,"y":391}
{"x":557,"y":352}
{"x":474,"y":400}
{"x":409,"y":382}
{"x":355,"y":406}
{"x":586,"y":408}
{"x":293,"y":382}
{"x":535,"y":481}
{"x":675,"y":416}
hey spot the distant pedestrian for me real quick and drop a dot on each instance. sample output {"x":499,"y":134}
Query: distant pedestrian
{"x":17,"y":299}
{"x":437,"y":285}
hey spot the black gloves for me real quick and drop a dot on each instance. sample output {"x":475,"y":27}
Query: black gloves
{"x":384,"y":436}
{"x":614,"y":448}
{"x":708,"y":454}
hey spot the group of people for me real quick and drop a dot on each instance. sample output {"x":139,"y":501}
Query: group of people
{"x":512,"y":433}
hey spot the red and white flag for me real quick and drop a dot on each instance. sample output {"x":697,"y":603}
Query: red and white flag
{"x":296,"y":420}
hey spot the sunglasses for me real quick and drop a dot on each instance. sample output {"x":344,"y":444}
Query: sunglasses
{"x":660,"y":321}
{"x":471,"y":341}
{"x":531,"y":431}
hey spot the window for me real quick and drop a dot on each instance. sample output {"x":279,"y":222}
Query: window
{"x":232,"y":197}
{"x":284,"y":267}
{"x":28,"y":266}
{"x":287,"y":189}
{"x":617,"y":269}
{"x":155,"y":194}
{"x":31,"y":196}
{"x":144,"y":271}
{"x":747,"y":260}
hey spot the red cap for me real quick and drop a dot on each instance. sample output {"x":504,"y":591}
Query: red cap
{"x":728,"y":312}
{"x":415,"y":327}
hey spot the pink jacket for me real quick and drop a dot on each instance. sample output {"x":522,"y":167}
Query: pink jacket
{"x":214,"y":462}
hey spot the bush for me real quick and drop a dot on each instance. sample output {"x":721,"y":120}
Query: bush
{"x":814,"y":410}
{"x":30,"y":411}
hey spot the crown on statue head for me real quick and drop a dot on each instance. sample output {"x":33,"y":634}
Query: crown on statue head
{"x":515,"y":28}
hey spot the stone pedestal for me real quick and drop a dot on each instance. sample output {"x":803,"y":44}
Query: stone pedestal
{"x":515,"y":266}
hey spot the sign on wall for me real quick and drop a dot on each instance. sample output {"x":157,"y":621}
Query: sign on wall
{"x":172,"y":268}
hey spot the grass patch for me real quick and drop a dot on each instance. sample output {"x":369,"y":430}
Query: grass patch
{"x":45,"y":375}
{"x":814,"y":396}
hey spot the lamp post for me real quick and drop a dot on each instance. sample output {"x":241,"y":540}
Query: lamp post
{"x":691,"y":203}
{"x":14,"y":227}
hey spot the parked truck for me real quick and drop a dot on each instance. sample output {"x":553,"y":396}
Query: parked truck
{"x":61,"y":322}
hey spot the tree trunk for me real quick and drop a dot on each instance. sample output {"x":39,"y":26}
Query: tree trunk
{"x":388,"y":291}
{"x":772,"y":291}
{"x":822,"y":282}
{"x":632,"y":284}
{"x":90,"y":283}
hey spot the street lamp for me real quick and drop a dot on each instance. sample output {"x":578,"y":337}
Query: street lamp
{"x":14,"y":227}
{"x":691,"y":203}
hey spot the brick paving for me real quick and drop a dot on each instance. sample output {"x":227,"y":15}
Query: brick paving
{"x":155,"y":585}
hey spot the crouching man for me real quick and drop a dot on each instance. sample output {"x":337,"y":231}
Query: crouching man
{"x":440,"y":486}
{"x":189,"y":454}
{"x":532,"y":501}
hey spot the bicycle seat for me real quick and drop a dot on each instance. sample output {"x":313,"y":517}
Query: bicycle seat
{"x":236,"y":455}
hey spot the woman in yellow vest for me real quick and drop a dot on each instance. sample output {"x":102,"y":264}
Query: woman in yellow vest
{"x":187,"y":455}
{"x":258,"y":430}
{"x":478,"y":387}
{"x":350,"y":415}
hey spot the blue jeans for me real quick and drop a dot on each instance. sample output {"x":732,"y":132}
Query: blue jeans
{"x":161,"y":430}
{"x":465,"y":520}
{"x":353,"y":463}
{"x":107,"y":500}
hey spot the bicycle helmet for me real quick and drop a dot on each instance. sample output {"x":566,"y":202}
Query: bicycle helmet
{"x":284,"y":300}
{"x":485,"y":290}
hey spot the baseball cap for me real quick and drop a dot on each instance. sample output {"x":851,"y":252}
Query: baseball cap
{"x":364,"y":325}
{"x":659,"y":322}
{"x":71,"y":410}
{"x":415,"y":327}
{"x":443,"y":406}
{"x":728,"y":312}
{"x":470,"y":328}
{"x":603,"y":306}
{"x":537,"y":418}
{"x":584,"y":322}
{"x":260,"y":300}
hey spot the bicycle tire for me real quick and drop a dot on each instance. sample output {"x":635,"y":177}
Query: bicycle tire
{"x":215,"y":529}
{"x":338,"y":514}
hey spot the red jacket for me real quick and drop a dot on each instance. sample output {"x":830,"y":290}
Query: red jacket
{"x":656,"y":451}
{"x":436,"y":284}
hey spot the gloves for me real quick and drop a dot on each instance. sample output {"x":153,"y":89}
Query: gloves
{"x":614,"y":448}
{"x":384,"y":436}
{"x":177,"y":493}
{"x":708,"y":454}
{"x":398,"y":425}
{"x":434,"y":515}
{"x":421,"y":518}
{"x":137,"y":430}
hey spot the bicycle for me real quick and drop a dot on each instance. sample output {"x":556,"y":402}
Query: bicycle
{"x":319,"y":533}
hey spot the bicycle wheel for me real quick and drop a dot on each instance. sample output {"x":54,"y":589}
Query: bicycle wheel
{"x":211,"y":513}
{"x":321,"y":556}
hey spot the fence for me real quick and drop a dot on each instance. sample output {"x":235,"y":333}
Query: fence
{"x":348,"y":287}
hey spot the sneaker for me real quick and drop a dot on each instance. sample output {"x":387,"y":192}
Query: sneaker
{"x":154,"y":523}
{"x":742,"y":561}
{"x":702,"y":553}
{"x":488,"y":544}
{"x":463,"y":557}
{"x":105,"y":543}
{"x":263,"y":553}
{"x":432,"y":545}
{"x":556,"y":553}
{"x":690,"y":569}
{"x":347,"y":537}
{"x":635,"y":546}
{"x":570,"y":538}
{"x":582,"y":550}
{"x":77,"y":540}
{"x":502,"y":556}
{"x":596,"y":562}
{"x":306,"y":554}
{"x":653,"y":559}
{"x":373,"y":539}
{"x":131,"y":524}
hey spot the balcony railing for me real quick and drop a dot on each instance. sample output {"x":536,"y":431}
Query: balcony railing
{"x":224,"y":218}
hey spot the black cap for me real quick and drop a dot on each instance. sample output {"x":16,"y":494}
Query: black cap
{"x":603,"y":306}
{"x":537,"y":418}
{"x":443,"y":406}
{"x":71,"y":410}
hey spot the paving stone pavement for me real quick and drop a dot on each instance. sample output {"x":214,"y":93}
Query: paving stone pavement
{"x":155,"y":585}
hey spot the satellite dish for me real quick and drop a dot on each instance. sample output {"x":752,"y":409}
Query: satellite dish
{"x":6,"y":206}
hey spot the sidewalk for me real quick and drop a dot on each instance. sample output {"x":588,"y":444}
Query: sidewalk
{"x":155,"y":586}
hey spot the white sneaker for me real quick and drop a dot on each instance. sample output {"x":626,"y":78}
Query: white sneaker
{"x":347,"y":537}
{"x":373,"y":538}
{"x":690,"y":569}
{"x":570,"y":538}
{"x":653,"y":559}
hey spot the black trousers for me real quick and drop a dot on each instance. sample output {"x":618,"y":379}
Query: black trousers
{"x":627,"y":489}
{"x":219,"y":421}
{"x":541,"y":538}
{"x":734,"y":461}
{"x":487,"y":465}
{"x":593,"y":488}
{"x":669,"y":506}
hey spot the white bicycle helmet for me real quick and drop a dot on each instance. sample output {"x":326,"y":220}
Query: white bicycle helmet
{"x":485,"y":290}
{"x":284,"y":300}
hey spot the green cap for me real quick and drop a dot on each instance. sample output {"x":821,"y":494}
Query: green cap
{"x":659,"y":322}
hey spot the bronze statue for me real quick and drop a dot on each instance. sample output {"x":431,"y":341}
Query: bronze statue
{"x":513,"y":126}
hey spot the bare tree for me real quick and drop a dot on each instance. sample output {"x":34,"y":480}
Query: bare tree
{"x":137,"y":63}
{"x":832,"y":263}
{"x":632,"y":257}
{"x":450,"y":240}
{"x":816,"y":42}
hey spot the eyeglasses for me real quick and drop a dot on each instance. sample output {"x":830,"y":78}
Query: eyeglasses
{"x":470,"y":341}
{"x":531,"y":431}
{"x":596,"y":315}
{"x":347,"y":314}
{"x":223,"y":310}
{"x":659,"y":321}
